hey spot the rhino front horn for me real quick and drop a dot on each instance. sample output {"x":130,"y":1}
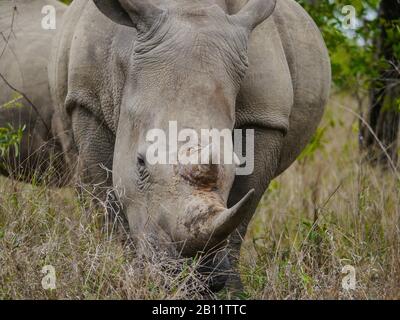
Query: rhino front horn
{"x":203,"y":234}
{"x":228,"y":220}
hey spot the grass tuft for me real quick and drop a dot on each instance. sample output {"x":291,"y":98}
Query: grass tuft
{"x":329,"y":210}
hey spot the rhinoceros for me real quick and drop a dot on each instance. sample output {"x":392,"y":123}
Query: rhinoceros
{"x":118,"y":69}
{"x":25,"y":99}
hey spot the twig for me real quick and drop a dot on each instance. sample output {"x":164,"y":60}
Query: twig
{"x":27,"y":99}
{"x":375,"y":137}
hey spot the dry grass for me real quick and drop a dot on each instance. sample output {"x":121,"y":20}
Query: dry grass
{"x":330,"y":210}
{"x":327,"y":211}
{"x":93,"y":257}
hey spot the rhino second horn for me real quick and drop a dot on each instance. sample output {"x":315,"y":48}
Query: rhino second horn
{"x":207,"y":153}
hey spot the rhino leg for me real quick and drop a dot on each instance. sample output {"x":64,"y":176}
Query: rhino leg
{"x":37,"y":158}
{"x":268,"y":144}
{"x":94,"y":144}
{"x":94,"y":151}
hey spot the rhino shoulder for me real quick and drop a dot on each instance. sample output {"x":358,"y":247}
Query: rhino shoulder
{"x":288,"y":81}
{"x":309,"y":62}
{"x":87,"y":63}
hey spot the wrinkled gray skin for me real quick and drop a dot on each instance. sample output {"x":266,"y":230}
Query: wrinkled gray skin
{"x":117,"y":71}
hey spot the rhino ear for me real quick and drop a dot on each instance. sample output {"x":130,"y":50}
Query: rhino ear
{"x":254,"y":13}
{"x":139,"y":14}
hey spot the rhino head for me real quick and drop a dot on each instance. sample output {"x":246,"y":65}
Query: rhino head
{"x":186,"y":66}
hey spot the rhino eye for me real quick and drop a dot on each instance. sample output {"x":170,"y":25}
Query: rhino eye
{"x":141,"y":168}
{"x":143,"y":173}
{"x":140,"y":161}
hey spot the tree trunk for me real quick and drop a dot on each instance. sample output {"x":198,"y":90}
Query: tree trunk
{"x":384,"y":113}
